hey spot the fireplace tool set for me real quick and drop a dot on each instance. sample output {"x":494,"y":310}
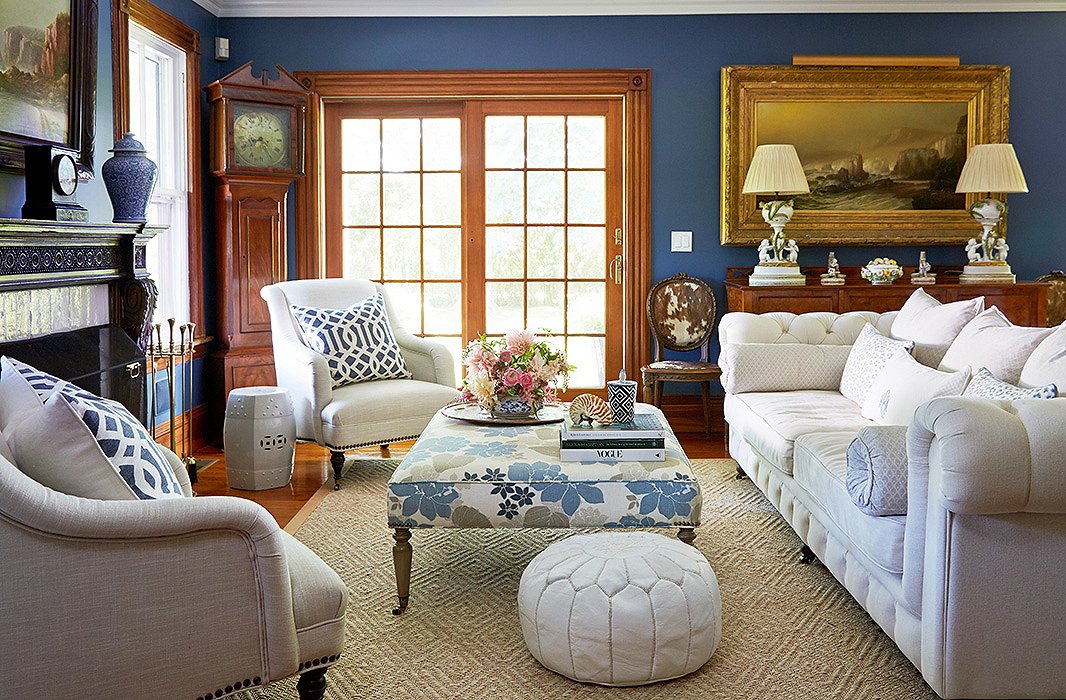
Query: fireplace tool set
{"x":176,"y":353}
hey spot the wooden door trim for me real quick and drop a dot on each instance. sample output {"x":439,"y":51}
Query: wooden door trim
{"x":187,"y":39}
{"x":633,"y":86}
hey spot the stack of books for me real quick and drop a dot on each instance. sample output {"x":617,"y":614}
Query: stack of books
{"x":643,"y":440}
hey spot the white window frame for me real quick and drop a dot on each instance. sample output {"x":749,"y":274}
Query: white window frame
{"x":167,"y":253}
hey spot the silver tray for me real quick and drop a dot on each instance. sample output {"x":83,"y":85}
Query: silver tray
{"x":472,"y":413}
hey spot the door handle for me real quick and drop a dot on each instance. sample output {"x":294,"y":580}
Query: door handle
{"x":616,"y":270}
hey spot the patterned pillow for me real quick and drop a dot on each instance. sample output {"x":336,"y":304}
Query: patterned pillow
{"x":904,"y":385}
{"x":985,"y":385}
{"x":869,"y":355}
{"x":130,"y":450}
{"x":357,"y":342}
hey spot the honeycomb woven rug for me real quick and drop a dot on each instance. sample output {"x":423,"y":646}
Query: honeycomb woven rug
{"x":789,"y":631}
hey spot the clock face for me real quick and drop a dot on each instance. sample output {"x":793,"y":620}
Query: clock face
{"x":261,"y":137}
{"x":64,"y":174}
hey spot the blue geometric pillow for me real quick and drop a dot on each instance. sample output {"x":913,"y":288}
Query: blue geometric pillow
{"x":357,"y":342}
{"x":124,"y":441}
{"x":986,"y":385}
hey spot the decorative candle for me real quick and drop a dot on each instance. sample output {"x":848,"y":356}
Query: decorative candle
{"x":622,"y":396}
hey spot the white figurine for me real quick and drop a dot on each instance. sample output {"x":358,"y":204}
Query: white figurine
{"x":1000,"y":250}
{"x":923,"y":265}
{"x":793,"y":251}
{"x":764,"y":251}
{"x":971,"y":250}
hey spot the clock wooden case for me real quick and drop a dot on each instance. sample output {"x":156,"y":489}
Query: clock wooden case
{"x":257,"y":151}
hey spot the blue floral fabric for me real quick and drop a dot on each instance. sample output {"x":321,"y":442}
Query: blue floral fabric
{"x":463,"y":475}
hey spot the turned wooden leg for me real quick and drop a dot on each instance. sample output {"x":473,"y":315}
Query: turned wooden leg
{"x":401,"y":561}
{"x":337,"y":460}
{"x":705,"y":389}
{"x":312,"y":685}
{"x":658,"y":394}
{"x":687,"y":535}
{"x":649,"y":387}
{"x":385,"y":454}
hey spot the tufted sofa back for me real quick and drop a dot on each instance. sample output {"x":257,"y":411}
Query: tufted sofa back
{"x":817,"y":328}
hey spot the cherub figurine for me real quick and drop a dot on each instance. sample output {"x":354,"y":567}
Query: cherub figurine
{"x":793,"y":251}
{"x":971,"y":250}
{"x":764,"y":251}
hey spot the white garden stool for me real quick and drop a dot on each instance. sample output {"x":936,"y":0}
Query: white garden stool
{"x":259,"y":438}
{"x":620,"y":608}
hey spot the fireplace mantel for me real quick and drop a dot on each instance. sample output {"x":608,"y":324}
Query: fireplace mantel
{"x":39,"y":254}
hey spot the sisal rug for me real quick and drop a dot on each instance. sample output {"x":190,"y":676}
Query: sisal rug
{"x":789,"y":631}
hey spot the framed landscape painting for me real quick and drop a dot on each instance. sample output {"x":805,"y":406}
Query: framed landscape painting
{"x":882,"y":148}
{"x":48,"y":78}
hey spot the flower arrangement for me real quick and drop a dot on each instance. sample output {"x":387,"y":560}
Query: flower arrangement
{"x":513,"y":375}
{"x":881,"y":271}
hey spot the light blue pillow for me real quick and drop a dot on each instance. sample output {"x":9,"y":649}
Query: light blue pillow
{"x":357,"y":342}
{"x":986,"y":385}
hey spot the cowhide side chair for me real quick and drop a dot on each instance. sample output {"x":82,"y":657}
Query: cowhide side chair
{"x":681,"y":313}
{"x":1056,"y":296}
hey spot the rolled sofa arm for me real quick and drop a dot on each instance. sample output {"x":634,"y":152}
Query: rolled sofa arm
{"x":114,"y":574}
{"x":305,"y":374}
{"x":782,"y":367}
{"x":993,"y":457}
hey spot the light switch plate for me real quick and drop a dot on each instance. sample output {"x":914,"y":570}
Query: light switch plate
{"x":681,"y":241}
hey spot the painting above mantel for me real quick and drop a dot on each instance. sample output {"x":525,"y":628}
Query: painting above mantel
{"x":881,"y":146}
{"x":48,"y":79}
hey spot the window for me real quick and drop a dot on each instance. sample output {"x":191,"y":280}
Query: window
{"x":158,"y":116}
{"x":485,"y":216}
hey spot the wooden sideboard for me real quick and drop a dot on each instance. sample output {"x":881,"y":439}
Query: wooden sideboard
{"x":1024,"y":303}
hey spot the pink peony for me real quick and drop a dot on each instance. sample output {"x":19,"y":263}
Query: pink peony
{"x":505,"y":357}
{"x":520,"y":341}
{"x":510,"y":377}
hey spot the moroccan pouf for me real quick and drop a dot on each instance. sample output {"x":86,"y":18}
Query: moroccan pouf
{"x":620,"y":608}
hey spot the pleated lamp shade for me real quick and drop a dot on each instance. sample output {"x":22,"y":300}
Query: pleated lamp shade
{"x":776,"y":169}
{"x":992,"y":167}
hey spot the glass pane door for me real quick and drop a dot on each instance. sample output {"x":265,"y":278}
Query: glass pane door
{"x":401,"y":217}
{"x":547,"y":251}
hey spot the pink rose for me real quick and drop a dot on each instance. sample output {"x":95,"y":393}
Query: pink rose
{"x":510,"y":377}
{"x":526,"y":380}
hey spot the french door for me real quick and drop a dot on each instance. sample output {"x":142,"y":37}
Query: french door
{"x":483,"y":216}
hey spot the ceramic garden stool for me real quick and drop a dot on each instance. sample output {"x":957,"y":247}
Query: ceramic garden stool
{"x":620,"y":608}
{"x":259,"y":438}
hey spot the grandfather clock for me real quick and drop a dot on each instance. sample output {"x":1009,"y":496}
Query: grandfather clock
{"x":257,"y":135}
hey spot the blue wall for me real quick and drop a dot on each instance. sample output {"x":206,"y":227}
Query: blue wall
{"x":686,"y":54}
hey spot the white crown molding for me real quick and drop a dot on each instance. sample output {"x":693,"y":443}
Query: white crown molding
{"x":503,"y":8}
{"x":213,"y":7}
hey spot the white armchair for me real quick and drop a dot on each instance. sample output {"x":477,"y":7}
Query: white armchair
{"x":358,"y":415}
{"x":178,"y":598}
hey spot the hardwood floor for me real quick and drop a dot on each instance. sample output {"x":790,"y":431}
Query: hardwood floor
{"x":312,"y":472}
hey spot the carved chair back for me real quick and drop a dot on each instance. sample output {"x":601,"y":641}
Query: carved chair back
{"x":1056,"y":296}
{"x":681,"y":314}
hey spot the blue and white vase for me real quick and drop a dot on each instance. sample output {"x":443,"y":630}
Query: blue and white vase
{"x":129,"y":176}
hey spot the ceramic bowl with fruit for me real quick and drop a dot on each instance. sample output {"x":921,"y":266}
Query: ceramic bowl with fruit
{"x":882,"y":271}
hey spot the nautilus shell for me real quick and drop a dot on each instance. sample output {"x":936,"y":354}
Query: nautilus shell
{"x":588,"y":408}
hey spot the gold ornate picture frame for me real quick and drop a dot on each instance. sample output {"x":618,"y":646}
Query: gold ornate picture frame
{"x":915,"y":122}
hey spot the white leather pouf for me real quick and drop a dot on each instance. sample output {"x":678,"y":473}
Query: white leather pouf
{"x":620,"y":608}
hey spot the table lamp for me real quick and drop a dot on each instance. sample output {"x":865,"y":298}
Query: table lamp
{"x":776,"y":169}
{"x":990,"y":167}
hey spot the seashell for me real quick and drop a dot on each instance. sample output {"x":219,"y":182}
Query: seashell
{"x":587,"y":408}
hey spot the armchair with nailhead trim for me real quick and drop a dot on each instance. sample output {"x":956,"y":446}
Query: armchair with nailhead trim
{"x":180,"y":598}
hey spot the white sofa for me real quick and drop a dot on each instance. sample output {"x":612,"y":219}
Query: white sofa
{"x":969,"y":583}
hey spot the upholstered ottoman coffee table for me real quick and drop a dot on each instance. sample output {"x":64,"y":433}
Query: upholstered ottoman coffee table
{"x":468,"y":476}
{"x":620,"y":608}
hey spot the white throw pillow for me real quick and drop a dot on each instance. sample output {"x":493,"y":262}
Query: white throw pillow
{"x":984,"y":385}
{"x":1047,"y":364}
{"x":869,"y":355}
{"x":904,"y":385}
{"x":357,"y":342}
{"x":56,"y":449}
{"x":933,"y":325}
{"x":992,"y":341}
{"x":18,"y":400}
{"x":128,"y":452}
